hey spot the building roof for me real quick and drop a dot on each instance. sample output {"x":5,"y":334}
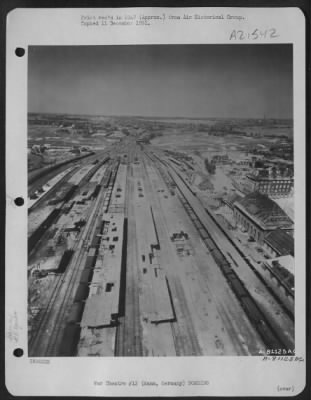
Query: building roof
{"x":230,"y":200}
{"x":269,"y":178}
{"x":281,"y":242}
{"x":264,"y":211}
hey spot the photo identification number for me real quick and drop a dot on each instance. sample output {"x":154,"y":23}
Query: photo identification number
{"x":256,"y":34}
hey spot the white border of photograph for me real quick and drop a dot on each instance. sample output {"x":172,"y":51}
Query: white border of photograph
{"x":220,"y":376}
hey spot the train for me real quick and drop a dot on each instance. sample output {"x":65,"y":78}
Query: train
{"x":72,"y":330}
{"x":35,"y":175}
{"x":66,"y":196}
{"x":249,"y":305}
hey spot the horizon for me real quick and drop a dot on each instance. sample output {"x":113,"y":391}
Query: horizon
{"x":157,"y":116}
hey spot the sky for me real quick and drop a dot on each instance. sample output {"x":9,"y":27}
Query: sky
{"x":194,"y":81}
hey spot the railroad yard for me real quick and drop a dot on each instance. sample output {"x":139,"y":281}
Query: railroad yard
{"x":125,"y":259}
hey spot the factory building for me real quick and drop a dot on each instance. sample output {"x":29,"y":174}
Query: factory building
{"x":258,"y":215}
{"x":274,"y":187}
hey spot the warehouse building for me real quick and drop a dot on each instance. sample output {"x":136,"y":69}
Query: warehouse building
{"x":279,"y":243}
{"x":258,"y":215}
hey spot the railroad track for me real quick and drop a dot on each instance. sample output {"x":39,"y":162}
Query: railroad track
{"x":120,"y":329}
{"x":289,"y":293}
{"x":46,"y":224}
{"x":241,"y":349}
{"x":71,"y":274}
{"x":37,"y":176}
{"x":270,"y":337}
{"x":135,"y":328}
{"x":245,"y":258}
{"x":128,"y":334}
{"x":33,"y":342}
{"x":70,"y":173}
{"x":80,"y":258}
{"x":52,"y":191}
{"x":184,"y":335}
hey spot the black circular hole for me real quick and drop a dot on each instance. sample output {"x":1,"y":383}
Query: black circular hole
{"x":19,"y":201}
{"x":19,"y":51}
{"x":18,"y":352}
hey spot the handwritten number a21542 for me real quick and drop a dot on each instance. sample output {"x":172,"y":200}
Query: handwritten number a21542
{"x":254,"y":35}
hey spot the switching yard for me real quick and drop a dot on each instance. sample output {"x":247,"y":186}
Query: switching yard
{"x":124,"y":260}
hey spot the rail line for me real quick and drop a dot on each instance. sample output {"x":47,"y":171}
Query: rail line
{"x":70,"y":274}
{"x":39,"y":234}
{"x":128,"y":335}
{"x":287,"y":311}
{"x":47,"y":338}
{"x":268,"y":334}
{"x":237,"y":248}
{"x":52,"y":348}
{"x":120,"y":329}
{"x":35,"y":175}
{"x":184,"y":335}
{"x":98,"y":209}
{"x":288,"y":291}
{"x":52,"y":190}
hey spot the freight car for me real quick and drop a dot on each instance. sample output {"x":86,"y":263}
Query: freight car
{"x":36,"y":236}
{"x":90,"y":260}
{"x":269,"y":338}
{"x":95,"y":240}
{"x":251,"y":309}
{"x":226,"y":269}
{"x":107,"y":177}
{"x":35,"y":175}
{"x":238,"y":287}
{"x":96,"y":191}
{"x":255,"y":315}
{"x":64,"y":262}
{"x":70,"y":340}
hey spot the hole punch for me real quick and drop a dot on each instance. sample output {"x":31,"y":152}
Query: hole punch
{"x":19,"y":201}
{"x":18,"y":352}
{"x":19,"y":51}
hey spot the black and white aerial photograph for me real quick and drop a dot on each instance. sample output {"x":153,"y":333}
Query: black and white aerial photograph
{"x":160,"y":200}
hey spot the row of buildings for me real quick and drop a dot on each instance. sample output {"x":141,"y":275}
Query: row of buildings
{"x":274,"y":178}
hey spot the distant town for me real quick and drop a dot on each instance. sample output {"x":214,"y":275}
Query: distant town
{"x":151,"y":236}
